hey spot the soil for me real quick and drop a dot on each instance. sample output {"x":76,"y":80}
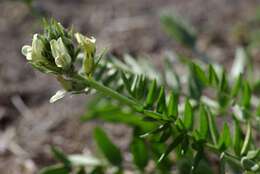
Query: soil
{"x":29,"y":124}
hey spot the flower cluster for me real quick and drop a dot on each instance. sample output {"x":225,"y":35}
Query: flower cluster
{"x":55,"y":52}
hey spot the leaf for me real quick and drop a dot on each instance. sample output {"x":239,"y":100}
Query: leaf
{"x":55,"y":169}
{"x":247,"y":140}
{"x":177,"y":30}
{"x":59,"y":95}
{"x":165,"y":135}
{"x":172,"y":146}
{"x":237,"y":144}
{"x":161,"y":105}
{"x":203,"y":130}
{"x":110,"y":151}
{"x":141,"y":88}
{"x":237,"y":86}
{"x":223,"y":91}
{"x":200,"y":74}
{"x":127,"y":82}
{"x":155,"y":131}
{"x":258,"y":110}
{"x":239,"y":63}
{"x":103,"y":109}
{"x":225,"y":138}
{"x":111,"y":76}
{"x":195,"y":86}
{"x":213,"y":128}
{"x":151,"y":94}
{"x":173,"y":105}
{"x":188,"y":115}
{"x":140,"y":153}
{"x":253,"y":154}
{"x":246,"y":94}
{"x":82,"y":160}
{"x":198,"y":157}
{"x":185,"y":145}
{"x":213,"y":77}
{"x":138,"y":88}
{"x":59,"y":155}
{"x":98,"y":58}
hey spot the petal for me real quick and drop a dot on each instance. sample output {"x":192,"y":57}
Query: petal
{"x":29,"y":56}
{"x":54,"y":48}
{"x":26,"y":49}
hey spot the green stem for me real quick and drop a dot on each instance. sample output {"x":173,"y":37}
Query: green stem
{"x":89,"y":82}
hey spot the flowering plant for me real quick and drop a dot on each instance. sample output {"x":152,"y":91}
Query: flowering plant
{"x":173,"y":118}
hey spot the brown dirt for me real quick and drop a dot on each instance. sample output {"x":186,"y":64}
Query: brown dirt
{"x":28,"y":123}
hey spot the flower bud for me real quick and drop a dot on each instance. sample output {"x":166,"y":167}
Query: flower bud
{"x":60,"y":53}
{"x":89,"y":47}
{"x":34,"y":52}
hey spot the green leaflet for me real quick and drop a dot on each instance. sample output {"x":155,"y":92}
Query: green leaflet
{"x":176,"y":29}
{"x":109,"y":150}
{"x":213,"y":77}
{"x":199,"y":73}
{"x":213,"y":128}
{"x":140,"y":153}
{"x":59,"y":155}
{"x":175,"y":142}
{"x":203,"y":129}
{"x":237,"y":86}
{"x":173,"y":105}
{"x":247,"y":140}
{"x":188,"y":115}
{"x":237,"y":142}
{"x":223,"y":92}
{"x":150,"y":99}
{"x":198,"y":157}
{"x":161,"y":104}
{"x":246,"y":94}
{"x":225,"y":138}
{"x":55,"y":169}
{"x":253,"y":154}
{"x":127,"y":82}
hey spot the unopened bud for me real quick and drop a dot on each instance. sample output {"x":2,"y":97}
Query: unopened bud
{"x":89,"y":47}
{"x":60,"y":53}
{"x":34,"y":52}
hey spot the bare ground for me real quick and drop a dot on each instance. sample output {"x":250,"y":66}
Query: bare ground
{"x":28,"y":123}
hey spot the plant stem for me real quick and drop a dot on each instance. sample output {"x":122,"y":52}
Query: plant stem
{"x":89,"y":82}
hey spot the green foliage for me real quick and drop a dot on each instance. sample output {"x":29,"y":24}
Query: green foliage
{"x":110,"y":151}
{"x":172,"y":120}
{"x":140,"y":153}
{"x":178,"y":30}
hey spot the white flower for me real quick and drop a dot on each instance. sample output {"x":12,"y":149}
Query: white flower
{"x":60,"y":53}
{"x":27,"y":52}
{"x":34,"y":52}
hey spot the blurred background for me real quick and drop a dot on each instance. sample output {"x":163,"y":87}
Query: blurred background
{"x":29,"y":124}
